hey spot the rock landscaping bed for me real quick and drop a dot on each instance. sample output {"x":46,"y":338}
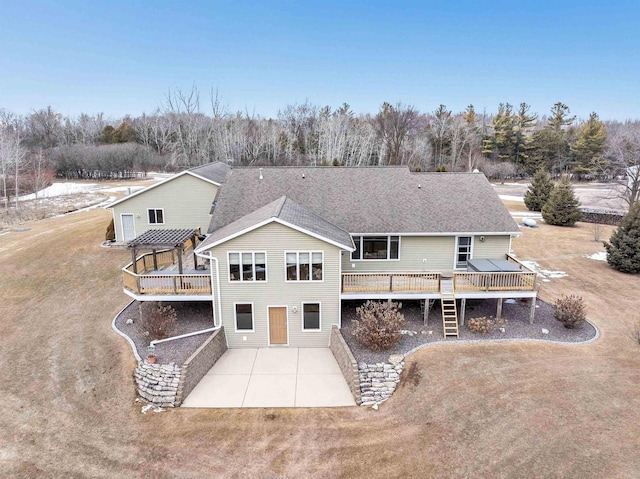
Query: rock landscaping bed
{"x":192,"y":316}
{"x":514,"y":325}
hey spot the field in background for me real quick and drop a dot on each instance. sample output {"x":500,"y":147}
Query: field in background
{"x":463,"y":410}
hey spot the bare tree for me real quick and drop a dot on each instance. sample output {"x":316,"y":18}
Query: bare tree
{"x":394,"y":125}
{"x":623,"y":152}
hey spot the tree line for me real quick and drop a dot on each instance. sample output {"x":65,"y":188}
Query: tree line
{"x":184,"y":132}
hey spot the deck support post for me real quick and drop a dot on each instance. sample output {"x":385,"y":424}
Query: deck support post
{"x":133,"y":260}
{"x":532,"y":311}
{"x":499,"y":312}
{"x":463,"y":305}
{"x":179,"y":253}
{"x":195,"y":257}
{"x":155,"y":260}
{"x":427,"y":305}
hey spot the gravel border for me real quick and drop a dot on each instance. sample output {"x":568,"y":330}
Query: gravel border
{"x":516,"y":326}
{"x":192,"y":316}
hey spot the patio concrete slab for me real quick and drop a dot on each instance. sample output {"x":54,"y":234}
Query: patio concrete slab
{"x":235,"y":361}
{"x":276,"y":361}
{"x":271,"y":390}
{"x":317,"y":361}
{"x":323,"y":390}
{"x":273,"y":377}
{"x":219,"y":391}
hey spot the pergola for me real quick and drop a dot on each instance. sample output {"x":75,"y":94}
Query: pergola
{"x":155,"y":240}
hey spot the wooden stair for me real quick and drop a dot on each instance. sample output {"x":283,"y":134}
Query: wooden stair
{"x":449,"y":309}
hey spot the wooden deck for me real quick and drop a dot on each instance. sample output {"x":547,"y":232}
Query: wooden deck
{"x":162,"y":279}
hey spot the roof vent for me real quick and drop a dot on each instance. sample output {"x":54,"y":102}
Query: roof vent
{"x":303,"y":175}
{"x":419,"y":186}
{"x":261,"y":176}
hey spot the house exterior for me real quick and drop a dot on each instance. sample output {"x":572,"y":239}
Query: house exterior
{"x":181,"y":201}
{"x":286,"y":245}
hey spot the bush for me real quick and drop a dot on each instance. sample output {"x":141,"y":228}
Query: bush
{"x":379,"y":325}
{"x":158,"y":320}
{"x":538,"y":192}
{"x":110,"y":235}
{"x":570,"y":311}
{"x":562,"y":207}
{"x":480,"y":325}
{"x":623,"y":249}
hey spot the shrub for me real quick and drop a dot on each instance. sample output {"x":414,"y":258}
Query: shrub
{"x":441,"y":168}
{"x":562,"y":207}
{"x":480,"y":325}
{"x":379,"y":325}
{"x":623,"y":249}
{"x":158,"y":320}
{"x":111,"y":232}
{"x":538,"y":192}
{"x":570,"y":311}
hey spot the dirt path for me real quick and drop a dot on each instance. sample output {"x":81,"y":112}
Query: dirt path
{"x":494,"y":410}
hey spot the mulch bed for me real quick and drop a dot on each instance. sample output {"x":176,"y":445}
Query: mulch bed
{"x":191,"y":316}
{"x":516,"y":325}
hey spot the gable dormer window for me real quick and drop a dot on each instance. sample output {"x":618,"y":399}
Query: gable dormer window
{"x":379,"y":248}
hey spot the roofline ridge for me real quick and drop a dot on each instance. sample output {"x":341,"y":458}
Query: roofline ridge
{"x":283,"y":199}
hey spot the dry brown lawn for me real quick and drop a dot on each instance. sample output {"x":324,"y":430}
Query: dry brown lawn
{"x":464,"y":410}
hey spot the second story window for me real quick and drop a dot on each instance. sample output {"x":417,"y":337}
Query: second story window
{"x":156,"y":216}
{"x":304,"y":265}
{"x":248,"y":266}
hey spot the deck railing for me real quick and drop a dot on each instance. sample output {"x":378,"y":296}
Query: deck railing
{"x":390,"y":282}
{"x":525,"y":281}
{"x":163,"y":283}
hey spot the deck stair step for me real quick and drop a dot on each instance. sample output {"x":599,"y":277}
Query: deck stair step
{"x":449,"y":309}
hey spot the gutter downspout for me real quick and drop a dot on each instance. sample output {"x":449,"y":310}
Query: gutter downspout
{"x":213,"y":306}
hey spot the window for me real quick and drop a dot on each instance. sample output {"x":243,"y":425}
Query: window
{"x":311,"y":316}
{"x":304,"y":265}
{"x":248,"y":266}
{"x":463,"y":251}
{"x":156,"y":216}
{"x":376,"y":248}
{"x":244,"y":316}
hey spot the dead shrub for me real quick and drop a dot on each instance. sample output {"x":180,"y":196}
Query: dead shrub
{"x":570,"y":311}
{"x":634,"y":332}
{"x":158,"y":320}
{"x":379,"y":325}
{"x":480,"y":325}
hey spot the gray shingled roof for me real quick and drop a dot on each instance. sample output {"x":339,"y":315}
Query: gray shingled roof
{"x":370,"y":200}
{"x":288,"y":211}
{"x":212,"y":171}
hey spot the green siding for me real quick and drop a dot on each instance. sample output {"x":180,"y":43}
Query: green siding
{"x":275,"y":239}
{"x":428,"y":253}
{"x":186,"y":201}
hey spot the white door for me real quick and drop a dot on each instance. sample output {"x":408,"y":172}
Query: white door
{"x":128,"y":227}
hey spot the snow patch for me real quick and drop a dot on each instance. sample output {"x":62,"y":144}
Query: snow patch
{"x":597,"y":256}
{"x":512,"y":198}
{"x":544,"y":273}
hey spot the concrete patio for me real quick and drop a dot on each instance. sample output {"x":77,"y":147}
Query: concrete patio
{"x":272,"y":377}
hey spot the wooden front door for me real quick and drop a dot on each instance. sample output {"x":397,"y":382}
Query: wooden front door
{"x":278,"y":325}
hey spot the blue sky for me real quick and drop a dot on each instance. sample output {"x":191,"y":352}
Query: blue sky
{"x":121,"y":57}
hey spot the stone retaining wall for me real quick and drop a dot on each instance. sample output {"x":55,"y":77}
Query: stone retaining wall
{"x":603,"y":217}
{"x":378,"y":381}
{"x":346,"y":361}
{"x":203,"y":359}
{"x":158,"y":383}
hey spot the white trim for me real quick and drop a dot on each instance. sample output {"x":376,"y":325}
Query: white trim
{"x":319,"y":330}
{"x":186,"y":172}
{"x":253,"y":318}
{"x":456,"y":251}
{"x":361,"y":259}
{"x":286,"y":312}
{"x":443,"y":233}
{"x":133,"y":216}
{"x":340,"y":253}
{"x":253,"y":259}
{"x":310,"y":280}
{"x":266,"y":222}
{"x":129,"y":340}
{"x":156,"y":214}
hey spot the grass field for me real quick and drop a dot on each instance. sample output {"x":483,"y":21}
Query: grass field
{"x":463,"y":410}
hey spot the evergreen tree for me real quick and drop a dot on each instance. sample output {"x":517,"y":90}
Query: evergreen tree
{"x":589,"y":147}
{"x":562,"y":207}
{"x":623,"y":249}
{"x":550,"y":146}
{"x":500,"y":144}
{"x":539,"y":191}
{"x":523,"y":123}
